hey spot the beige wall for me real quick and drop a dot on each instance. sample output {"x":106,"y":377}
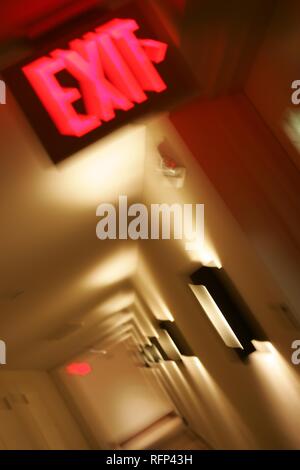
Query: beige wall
{"x":254,"y":177}
{"x":116,"y":400}
{"x":276,"y":66}
{"x":238,"y":405}
{"x":33,"y":415}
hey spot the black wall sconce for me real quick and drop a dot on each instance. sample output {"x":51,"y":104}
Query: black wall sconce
{"x":150,"y":354}
{"x":166,"y":347}
{"x":171,"y":342}
{"x":146,"y":356}
{"x":227,"y":312}
{"x":153,"y":352}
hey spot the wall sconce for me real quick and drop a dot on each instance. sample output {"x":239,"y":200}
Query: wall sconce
{"x":149,"y":355}
{"x":226,"y":311}
{"x":172,"y":342}
{"x":166,"y":347}
{"x":153,"y":353}
{"x":145,"y":362}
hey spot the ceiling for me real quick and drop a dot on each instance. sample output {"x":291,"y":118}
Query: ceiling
{"x":55,"y":274}
{"x":59,"y":283}
{"x":21,"y":14}
{"x":53,"y":268}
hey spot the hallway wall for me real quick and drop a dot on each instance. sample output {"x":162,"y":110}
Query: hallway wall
{"x":116,"y":400}
{"x":231,"y":396}
{"x":33,"y":415}
{"x":276,"y":66}
{"x":255,"y":178}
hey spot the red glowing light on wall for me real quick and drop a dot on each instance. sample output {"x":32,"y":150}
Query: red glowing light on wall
{"x":79,"y":368}
{"x":113,"y":69}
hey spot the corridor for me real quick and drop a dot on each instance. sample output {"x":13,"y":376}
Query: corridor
{"x":116,"y":333}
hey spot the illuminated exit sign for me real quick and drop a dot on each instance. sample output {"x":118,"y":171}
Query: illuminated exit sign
{"x":114,"y":70}
{"x":95,"y":80}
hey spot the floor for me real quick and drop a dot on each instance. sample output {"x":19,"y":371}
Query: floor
{"x":169,"y":433}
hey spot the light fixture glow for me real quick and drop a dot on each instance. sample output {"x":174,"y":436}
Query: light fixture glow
{"x":166,"y":346}
{"x":174,"y":341}
{"x":264,"y":346}
{"x":215,"y":315}
{"x":205,"y":255}
{"x":227,"y":311}
{"x":116,"y":268}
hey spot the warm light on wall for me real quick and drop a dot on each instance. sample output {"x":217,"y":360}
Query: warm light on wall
{"x":206,"y":256}
{"x":264,"y":347}
{"x":149,"y":286}
{"x":279,"y":382}
{"x":291,"y":126}
{"x":144,"y":316}
{"x":113,"y":269}
{"x":216,"y":404}
{"x":91,"y":176}
{"x":119,"y":301}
